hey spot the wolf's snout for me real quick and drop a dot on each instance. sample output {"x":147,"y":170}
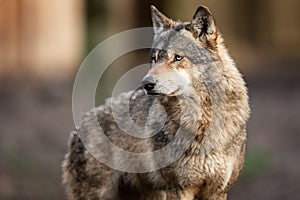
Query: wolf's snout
{"x":148,"y":83}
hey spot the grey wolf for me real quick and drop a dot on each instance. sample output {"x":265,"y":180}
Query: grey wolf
{"x":195,"y":80}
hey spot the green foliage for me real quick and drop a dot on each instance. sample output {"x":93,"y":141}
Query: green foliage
{"x":15,"y":158}
{"x":256,"y":162}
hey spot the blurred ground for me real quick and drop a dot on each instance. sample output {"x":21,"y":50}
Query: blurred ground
{"x":272,"y":166}
{"x":36,"y":118}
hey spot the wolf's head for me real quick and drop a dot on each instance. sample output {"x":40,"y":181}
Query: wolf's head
{"x":183,"y":54}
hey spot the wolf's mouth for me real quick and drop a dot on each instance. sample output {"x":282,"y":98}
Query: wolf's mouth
{"x":175,"y":92}
{"x":153,"y":93}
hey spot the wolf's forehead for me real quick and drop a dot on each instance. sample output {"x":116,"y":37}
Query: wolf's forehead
{"x":178,"y":39}
{"x":172,"y":39}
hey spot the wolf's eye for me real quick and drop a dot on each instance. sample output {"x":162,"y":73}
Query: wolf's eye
{"x":177,"y":58}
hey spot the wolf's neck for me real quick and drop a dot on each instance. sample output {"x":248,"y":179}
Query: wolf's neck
{"x":184,"y":111}
{"x":183,"y":119}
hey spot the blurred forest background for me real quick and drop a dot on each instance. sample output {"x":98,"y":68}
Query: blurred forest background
{"x":42,"y":44}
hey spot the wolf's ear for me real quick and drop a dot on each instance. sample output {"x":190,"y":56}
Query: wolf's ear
{"x":203,"y":24}
{"x":159,"y":20}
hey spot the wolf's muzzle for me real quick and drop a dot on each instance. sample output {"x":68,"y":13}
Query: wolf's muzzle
{"x":148,"y":83}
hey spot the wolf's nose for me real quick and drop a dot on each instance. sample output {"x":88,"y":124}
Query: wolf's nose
{"x":148,"y":83}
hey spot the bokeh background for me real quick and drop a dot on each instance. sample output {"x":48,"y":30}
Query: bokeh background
{"x":42,"y":44}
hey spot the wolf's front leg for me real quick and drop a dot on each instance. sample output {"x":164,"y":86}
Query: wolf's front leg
{"x":154,"y":195}
{"x":180,"y":195}
{"x":190,"y":194}
{"x":222,"y":196}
